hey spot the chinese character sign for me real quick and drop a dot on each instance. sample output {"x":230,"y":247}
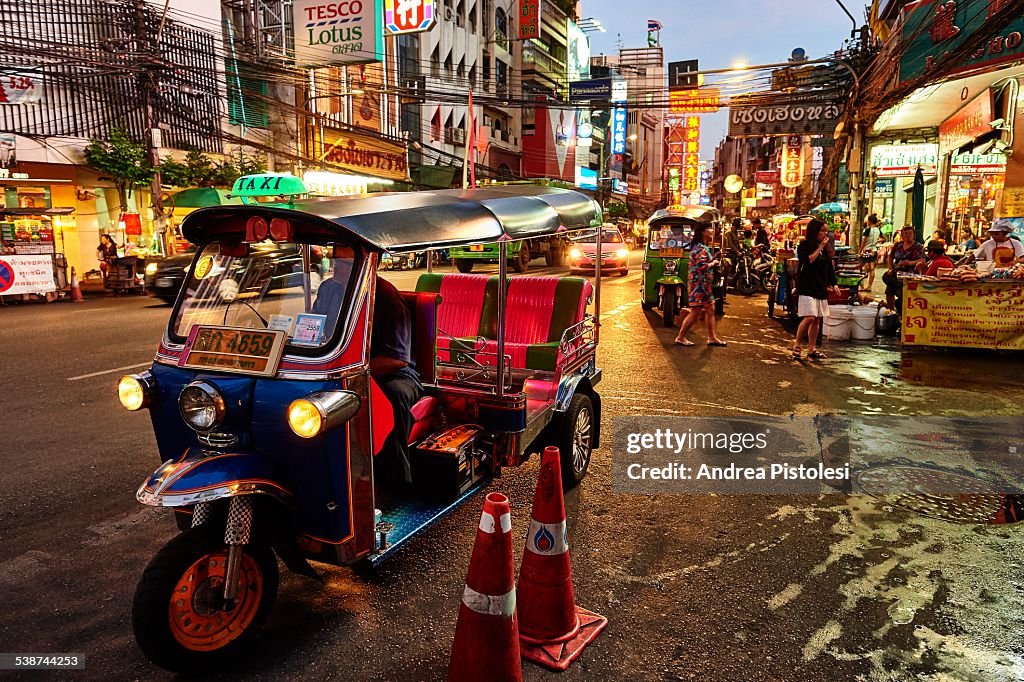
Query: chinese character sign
{"x":408,"y":16}
{"x":793,"y":161}
{"x":618,"y":130}
{"x":691,"y":155}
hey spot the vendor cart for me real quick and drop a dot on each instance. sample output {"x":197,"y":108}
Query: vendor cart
{"x":123,"y":276}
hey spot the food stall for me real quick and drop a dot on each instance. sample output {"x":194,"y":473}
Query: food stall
{"x":966,"y":307}
{"x":31,"y":236}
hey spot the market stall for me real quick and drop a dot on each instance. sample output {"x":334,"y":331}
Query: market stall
{"x":29,"y":236}
{"x":965,"y":308}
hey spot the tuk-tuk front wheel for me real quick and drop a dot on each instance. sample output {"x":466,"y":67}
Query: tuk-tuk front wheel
{"x":179,"y":616}
{"x":576,"y":440}
{"x":668,"y":307}
{"x":464,"y":265}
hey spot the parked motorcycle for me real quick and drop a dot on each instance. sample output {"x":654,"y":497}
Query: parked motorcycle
{"x":744,"y":279}
{"x":763,"y":267}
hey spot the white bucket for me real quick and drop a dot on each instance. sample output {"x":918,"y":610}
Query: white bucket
{"x":839,"y":323}
{"x":864,"y":317}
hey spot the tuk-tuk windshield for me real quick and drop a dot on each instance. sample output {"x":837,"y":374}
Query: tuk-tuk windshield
{"x":670,"y":237}
{"x":607,"y":237}
{"x":270,"y":286}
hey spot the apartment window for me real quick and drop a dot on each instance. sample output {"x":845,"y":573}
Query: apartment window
{"x":501,"y":74}
{"x":247,"y":92}
{"x":501,"y":28}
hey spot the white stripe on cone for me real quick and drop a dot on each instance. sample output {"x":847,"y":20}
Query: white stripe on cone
{"x":550,"y":536}
{"x":487,"y":524}
{"x":489,"y":605}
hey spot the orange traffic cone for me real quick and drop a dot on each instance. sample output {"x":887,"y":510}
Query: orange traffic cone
{"x":76,"y":290}
{"x":486,"y":636}
{"x":552,"y":629}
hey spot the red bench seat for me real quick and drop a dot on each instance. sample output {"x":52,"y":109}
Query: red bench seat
{"x":538,"y":310}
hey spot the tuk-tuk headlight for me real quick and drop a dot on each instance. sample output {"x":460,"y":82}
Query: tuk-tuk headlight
{"x":670,"y":266}
{"x":201,"y":405}
{"x":135,"y":390}
{"x":575,"y":253}
{"x":151,"y":268}
{"x":318,"y":412}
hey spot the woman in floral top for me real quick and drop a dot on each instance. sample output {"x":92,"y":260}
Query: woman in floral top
{"x":701,"y":298}
{"x":906,"y":255}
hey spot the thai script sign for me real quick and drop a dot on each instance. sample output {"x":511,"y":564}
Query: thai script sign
{"x":893,"y":160}
{"x":750,"y":117}
{"x":695,"y":101}
{"x":365,"y":155}
{"x":529,"y":19}
{"x":26,"y":275}
{"x":966,"y":124}
{"x":408,"y":16}
{"x":978,"y":164}
{"x":953,"y":314}
{"x":338,"y":31}
{"x":768,"y":177}
{"x":935,"y":28}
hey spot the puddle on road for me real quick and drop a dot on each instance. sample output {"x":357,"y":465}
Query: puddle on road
{"x":930,"y":495}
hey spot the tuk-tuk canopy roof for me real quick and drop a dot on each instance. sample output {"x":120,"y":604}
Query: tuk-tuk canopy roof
{"x":411,"y":221}
{"x":692,"y":214}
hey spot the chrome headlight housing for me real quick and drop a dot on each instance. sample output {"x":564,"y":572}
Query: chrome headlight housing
{"x":670,"y":266}
{"x":318,"y":412}
{"x":202,"y":406}
{"x":135,"y":391}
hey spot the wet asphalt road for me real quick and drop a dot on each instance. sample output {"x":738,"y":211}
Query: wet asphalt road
{"x":695,"y":587}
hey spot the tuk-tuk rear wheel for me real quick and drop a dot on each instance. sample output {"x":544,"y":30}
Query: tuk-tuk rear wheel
{"x":576,"y":440}
{"x":178,"y":617}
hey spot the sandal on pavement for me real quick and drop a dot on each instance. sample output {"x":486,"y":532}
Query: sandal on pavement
{"x":816,"y":355}
{"x":682,"y":342}
{"x":796,"y":353}
{"x":717,"y":343}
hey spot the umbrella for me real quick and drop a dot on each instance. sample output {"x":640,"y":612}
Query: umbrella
{"x":917,"y":205}
{"x":200,"y":197}
{"x":831,"y":207}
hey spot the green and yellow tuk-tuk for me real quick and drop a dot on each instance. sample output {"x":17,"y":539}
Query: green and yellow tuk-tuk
{"x":666,"y":257}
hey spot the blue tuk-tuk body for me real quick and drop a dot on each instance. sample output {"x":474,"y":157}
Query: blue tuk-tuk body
{"x":268,"y":443}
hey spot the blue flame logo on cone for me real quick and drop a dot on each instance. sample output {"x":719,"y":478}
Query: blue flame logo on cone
{"x":543,"y":540}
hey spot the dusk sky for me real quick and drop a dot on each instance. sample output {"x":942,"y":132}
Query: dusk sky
{"x":722,"y":32}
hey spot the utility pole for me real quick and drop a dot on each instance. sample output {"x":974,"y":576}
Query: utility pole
{"x":148,"y":44}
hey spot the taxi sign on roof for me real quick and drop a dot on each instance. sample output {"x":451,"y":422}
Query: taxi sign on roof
{"x":268,"y":185}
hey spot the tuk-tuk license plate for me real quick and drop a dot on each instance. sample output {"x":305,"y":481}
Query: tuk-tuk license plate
{"x":234,"y":349}
{"x":672,"y":253}
{"x":476,"y":247}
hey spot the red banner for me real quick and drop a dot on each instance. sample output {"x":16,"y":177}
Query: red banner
{"x":529,"y":19}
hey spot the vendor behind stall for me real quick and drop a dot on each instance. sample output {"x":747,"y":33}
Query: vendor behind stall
{"x":999,"y":247}
{"x":937,"y":258}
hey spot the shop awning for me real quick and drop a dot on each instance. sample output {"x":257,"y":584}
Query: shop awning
{"x":929,"y":106}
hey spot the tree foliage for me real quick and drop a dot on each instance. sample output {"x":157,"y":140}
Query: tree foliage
{"x":199,"y":170}
{"x":121,"y":160}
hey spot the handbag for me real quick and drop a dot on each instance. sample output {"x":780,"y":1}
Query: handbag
{"x":890,"y":278}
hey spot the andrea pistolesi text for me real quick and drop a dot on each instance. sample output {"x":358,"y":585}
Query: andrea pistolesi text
{"x":705,"y":472}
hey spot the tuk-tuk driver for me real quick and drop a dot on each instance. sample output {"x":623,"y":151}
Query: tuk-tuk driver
{"x":391,"y":363}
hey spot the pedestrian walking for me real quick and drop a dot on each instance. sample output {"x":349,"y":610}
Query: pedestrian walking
{"x":700,"y":297}
{"x":869,"y":248}
{"x":815,"y":277}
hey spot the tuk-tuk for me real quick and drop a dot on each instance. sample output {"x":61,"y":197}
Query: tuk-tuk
{"x":666,"y":257}
{"x":269,"y":421}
